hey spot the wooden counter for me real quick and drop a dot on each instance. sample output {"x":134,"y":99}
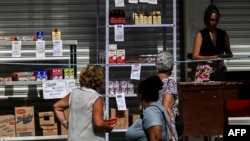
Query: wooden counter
{"x":202,"y":105}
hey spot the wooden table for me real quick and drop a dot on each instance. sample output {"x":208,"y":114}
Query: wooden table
{"x":202,"y":105}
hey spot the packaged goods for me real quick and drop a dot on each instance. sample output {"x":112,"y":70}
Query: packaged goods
{"x":7,"y":126}
{"x":39,"y":35}
{"x":56,"y":34}
{"x":46,"y":118}
{"x":49,"y":130}
{"x":23,"y":76}
{"x":120,"y":56}
{"x":25,"y":121}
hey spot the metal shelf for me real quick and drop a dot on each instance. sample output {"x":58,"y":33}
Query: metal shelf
{"x":130,"y":64}
{"x":145,"y":25}
{"x":64,"y":42}
{"x":34,"y":138}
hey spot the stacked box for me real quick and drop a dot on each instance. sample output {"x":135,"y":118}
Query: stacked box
{"x":49,"y":130}
{"x":7,"y":126}
{"x":46,"y":118}
{"x":123,"y":117}
{"x":47,"y":123}
{"x":25,"y":123}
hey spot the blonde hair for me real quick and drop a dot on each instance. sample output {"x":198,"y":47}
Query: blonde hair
{"x":92,"y":77}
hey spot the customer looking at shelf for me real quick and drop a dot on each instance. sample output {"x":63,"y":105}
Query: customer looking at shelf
{"x":210,"y":44}
{"x":86,"y":117}
{"x":153,"y":122}
{"x":168,"y":94}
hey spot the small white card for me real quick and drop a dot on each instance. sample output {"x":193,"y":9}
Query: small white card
{"x":120,"y":101}
{"x":57,"y":48}
{"x":135,"y":71}
{"x":143,"y":1}
{"x":132,"y":1}
{"x":152,"y":2}
{"x":16,"y":48}
{"x":119,"y":33}
{"x":40,"y":49}
{"x":119,"y":3}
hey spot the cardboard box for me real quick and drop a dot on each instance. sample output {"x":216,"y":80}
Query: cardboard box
{"x":49,"y":130}
{"x":138,"y":18}
{"x":7,"y":126}
{"x":123,"y":116}
{"x":25,"y":123}
{"x":120,"y":56}
{"x":64,"y":131}
{"x":156,"y":17}
{"x":147,"y":18}
{"x":46,"y":118}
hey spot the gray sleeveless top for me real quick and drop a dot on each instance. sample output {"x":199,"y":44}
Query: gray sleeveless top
{"x":80,"y":118}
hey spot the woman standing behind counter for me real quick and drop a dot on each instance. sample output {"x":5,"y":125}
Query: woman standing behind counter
{"x":211,"y":43}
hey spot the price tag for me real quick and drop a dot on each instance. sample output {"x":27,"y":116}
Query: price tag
{"x":132,"y":1}
{"x":119,"y":3}
{"x":120,"y":101}
{"x":16,"y":48}
{"x":119,"y":33}
{"x":152,"y":2}
{"x":143,"y":1}
{"x":57,"y":48}
{"x":40,"y":49}
{"x":135,"y":71}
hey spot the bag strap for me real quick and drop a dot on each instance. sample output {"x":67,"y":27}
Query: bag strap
{"x":165,"y":120}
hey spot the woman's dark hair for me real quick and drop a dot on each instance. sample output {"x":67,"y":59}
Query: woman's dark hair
{"x":149,"y":88}
{"x":208,"y":12}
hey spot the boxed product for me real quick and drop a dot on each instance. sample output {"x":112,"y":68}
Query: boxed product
{"x":46,"y":118}
{"x":49,"y":130}
{"x":68,"y":73}
{"x":7,"y":126}
{"x":120,"y":56}
{"x":55,"y":73}
{"x":25,"y":122}
{"x":123,"y":118}
{"x":56,"y":34}
{"x":156,"y":17}
{"x":147,"y":18}
{"x":138,"y":18}
{"x":112,"y":53}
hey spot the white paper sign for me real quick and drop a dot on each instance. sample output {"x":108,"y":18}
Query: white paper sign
{"x":119,"y":3}
{"x":135,"y":71}
{"x":143,"y":1}
{"x":71,"y":84}
{"x":16,"y":48}
{"x":132,"y":1}
{"x":120,"y":101}
{"x":40,"y":49}
{"x":54,"y":89}
{"x":152,"y":2}
{"x":119,"y":32}
{"x":57,"y":48}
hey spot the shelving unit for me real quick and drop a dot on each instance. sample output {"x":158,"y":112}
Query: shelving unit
{"x":28,"y":92}
{"x":107,"y":28}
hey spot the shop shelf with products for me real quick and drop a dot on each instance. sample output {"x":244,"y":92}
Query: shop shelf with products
{"x":29,"y":93}
{"x":152,"y":35}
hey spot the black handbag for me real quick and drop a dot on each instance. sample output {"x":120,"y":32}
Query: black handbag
{"x":179,"y":125}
